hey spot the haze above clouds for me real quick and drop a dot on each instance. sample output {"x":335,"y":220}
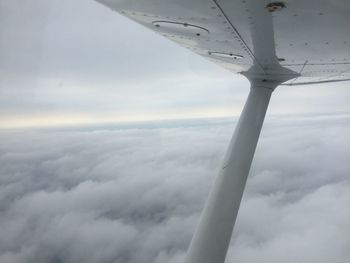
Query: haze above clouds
{"x":68,"y":62}
{"x":134,"y":194}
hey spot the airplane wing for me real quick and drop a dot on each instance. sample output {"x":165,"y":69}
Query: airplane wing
{"x":237,"y":34}
{"x":295,"y":42}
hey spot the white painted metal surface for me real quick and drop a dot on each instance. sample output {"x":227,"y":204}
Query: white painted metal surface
{"x":302,"y":41}
{"x":311,"y":37}
{"x":212,"y":237}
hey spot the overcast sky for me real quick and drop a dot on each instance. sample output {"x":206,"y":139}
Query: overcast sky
{"x":131,"y":193}
{"x":77,"y":61}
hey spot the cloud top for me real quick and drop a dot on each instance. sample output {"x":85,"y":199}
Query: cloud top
{"x":127,"y":194}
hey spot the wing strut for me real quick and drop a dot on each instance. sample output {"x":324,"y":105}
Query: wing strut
{"x":212,"y":237}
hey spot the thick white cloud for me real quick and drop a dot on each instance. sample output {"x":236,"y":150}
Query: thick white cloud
{"x":134,"y":193}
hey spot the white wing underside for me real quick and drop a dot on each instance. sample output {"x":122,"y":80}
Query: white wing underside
{"x":299,"y":41}
{"x":307,"y":37}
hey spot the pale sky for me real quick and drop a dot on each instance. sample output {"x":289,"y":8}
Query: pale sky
{"x":71,"y":62}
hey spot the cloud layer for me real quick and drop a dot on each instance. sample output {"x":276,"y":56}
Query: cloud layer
{"x":134,"y":193}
